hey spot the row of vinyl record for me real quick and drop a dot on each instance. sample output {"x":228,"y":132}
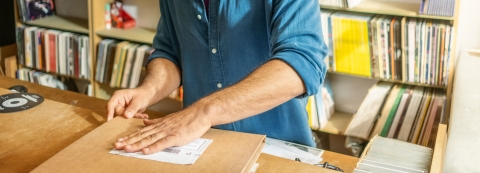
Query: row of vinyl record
{"x":119,"y":64}
{"x":35,"y":9}
{"x":403,"y":112}
{"x":320,"y":107}
{"x":54,"y":51}
{"x":438,"y":7}
{"x":390,"y":155}
{"x":388,"y":47}
{"x":54,"y":81}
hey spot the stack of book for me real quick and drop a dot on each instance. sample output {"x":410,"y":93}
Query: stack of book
{"x":320,"y":107}
{"x":41,"y":78}
{"x":54,"y":51}
{"x":390,"y":155}
{"x":333,"y":3}
{"x":407,"y":113}
{"x":119,"y":64}
{"x":388,"y":47}
{"x":54,"y":81}
{"x":31,"y":9}
{"x":438,"y":7}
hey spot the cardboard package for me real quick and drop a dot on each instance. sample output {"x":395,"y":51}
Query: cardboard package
{"x":229,"y":152}
{"x":30,"y":137}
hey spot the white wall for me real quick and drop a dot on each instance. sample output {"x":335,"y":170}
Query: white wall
{"x":468,"y":32}
{"x":72,"y":8}
{"x":148,"y":12}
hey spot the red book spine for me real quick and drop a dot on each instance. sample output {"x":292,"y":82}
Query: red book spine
{"x":53,"y":52}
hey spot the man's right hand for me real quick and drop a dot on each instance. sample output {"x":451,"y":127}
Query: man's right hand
{"x":130,"y":103}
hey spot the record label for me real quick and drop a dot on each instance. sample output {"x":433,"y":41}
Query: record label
{"x":16,"y":102}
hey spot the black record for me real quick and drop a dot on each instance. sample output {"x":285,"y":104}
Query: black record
{"x":17,"y":102}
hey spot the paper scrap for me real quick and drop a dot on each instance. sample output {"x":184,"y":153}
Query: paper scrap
{"x":184,"y":155}
{"x":285,"y":150}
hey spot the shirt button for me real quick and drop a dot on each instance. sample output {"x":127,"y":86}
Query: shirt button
{"x":214,"y":51}
{"x":199,"y":17}
{"x":219,"y":85}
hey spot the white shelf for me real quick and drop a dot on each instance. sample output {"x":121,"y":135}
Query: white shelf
{"x":389,"y":8}
{"x":62,"y":23}
{"x":137,"y":34}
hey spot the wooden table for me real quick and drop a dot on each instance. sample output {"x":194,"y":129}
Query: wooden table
{"x":48,"y":148}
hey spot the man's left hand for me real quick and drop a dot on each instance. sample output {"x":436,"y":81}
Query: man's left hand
{"x":176,"y":129}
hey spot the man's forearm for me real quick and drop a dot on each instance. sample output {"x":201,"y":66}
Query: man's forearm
{"x":162,"y":77}
{"x":267,"y":87}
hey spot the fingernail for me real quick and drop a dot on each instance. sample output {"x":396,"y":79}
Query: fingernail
{"x":120,"y":139}
{"x":128,"y":146}
{"x":119,"y":143}
{"x":146,"y":149}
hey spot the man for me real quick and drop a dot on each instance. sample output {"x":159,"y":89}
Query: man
{"x":246,"y":65}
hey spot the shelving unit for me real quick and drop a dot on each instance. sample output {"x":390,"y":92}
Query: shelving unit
{"x":66,"y":23}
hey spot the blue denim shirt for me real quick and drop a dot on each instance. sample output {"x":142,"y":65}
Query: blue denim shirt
{"x":237,"y":38}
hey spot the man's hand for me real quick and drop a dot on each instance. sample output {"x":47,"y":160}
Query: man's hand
{"x":130,"y":103}
{"x":173,"y":130}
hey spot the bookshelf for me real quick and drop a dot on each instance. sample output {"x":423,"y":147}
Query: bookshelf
{"x":74,"y":17}
{"x":339,"y":121}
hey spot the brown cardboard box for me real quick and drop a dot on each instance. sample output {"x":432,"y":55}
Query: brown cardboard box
{"x":229,"y":152}
{"x":30,"y":137}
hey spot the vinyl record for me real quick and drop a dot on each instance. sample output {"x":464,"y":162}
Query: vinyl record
{"x":17,"y":102}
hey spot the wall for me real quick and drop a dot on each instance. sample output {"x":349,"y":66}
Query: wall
{"x":468,"y":32}
{"x":72,"y":8}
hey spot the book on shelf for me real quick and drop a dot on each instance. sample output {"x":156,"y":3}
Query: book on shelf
{"x":54,"y":81}
{"x":388,"y":47}
{"x":35,"y":9}
{"x":340,"y":3}
{"x":54,"y":51}
{"x":438,"y":7}
{"x":120,"y":63}
{"x":391,"y":155}
{"x":320,"y":107}
{"x":403,"y":112}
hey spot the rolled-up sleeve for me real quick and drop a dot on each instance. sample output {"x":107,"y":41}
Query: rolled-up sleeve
{"x":296,"y":38}
{"x":162,"y":42}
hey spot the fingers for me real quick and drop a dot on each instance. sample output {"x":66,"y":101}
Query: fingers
{"x":144,"y":142}
{"x":111,"y":105}
{"x":148,"y":122}
{"x":139,"y":135}
{"x":140,"y":116}
{"x":133,"y":108}
{"x":161,"y":144}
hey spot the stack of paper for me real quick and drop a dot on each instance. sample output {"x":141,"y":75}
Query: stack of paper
{"x":391,"y":155}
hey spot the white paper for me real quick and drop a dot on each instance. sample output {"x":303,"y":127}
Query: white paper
{"x":184,"y":155}
{"x":282,"y":149}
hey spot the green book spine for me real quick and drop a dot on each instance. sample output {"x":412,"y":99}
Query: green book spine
{"x":391,"y":115}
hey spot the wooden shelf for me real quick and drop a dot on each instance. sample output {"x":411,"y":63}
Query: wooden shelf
{"x":337,"y":124}
{"x":140,"y":35}
{"x":62,"y":23}
{"x":389,"y":80}
{"x":389,"y":8}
